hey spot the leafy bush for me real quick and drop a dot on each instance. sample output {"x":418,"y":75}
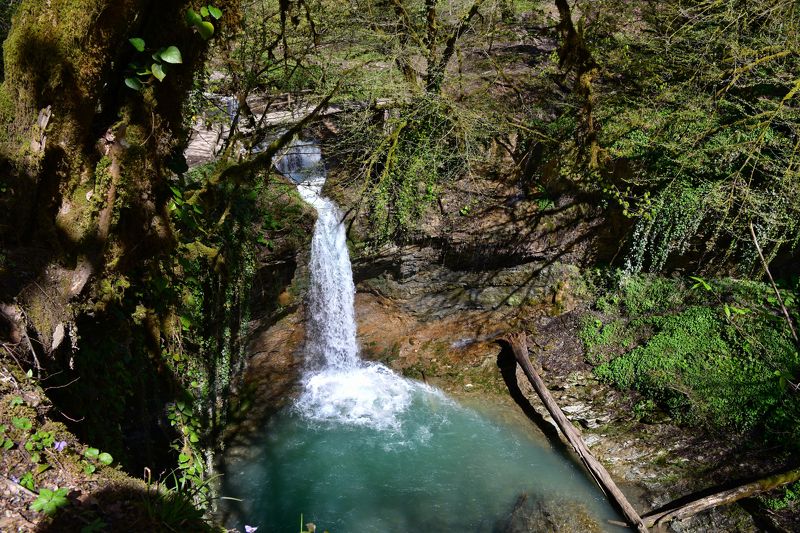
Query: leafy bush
{"x":405,"y":161}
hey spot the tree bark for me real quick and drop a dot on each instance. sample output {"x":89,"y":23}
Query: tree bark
{"x":724,"y":497}
{"x":519,"y":345}
{"x":436,"y":69}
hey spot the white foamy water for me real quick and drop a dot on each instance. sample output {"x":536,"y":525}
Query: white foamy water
{"x":339,"y":386}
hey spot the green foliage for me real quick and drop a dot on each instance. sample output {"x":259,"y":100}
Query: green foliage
{"x":139,"y":73}
{"x":6,"y":443}
{"x":790,"y":496}
{"x":93,"y":456}
{"x":27,"y":481}
{"x":137,"y":43}
{"x":22,"y":423}
{"x":203,"y":27}
{"x":711,"y":354}
{"x":170,"y":54}
{"x":144,"y":68}
{"x":50,"y":501}
{"x":696,"y":119}
{"x":204,"y":288}
{"x":37,"y":443}
{"x":405,"y":162}
{"x":175,"y":507}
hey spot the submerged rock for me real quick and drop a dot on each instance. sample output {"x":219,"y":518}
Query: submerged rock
{"x":532,"y":513}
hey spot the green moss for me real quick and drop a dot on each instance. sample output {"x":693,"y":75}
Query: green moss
{"x":684,"y":353}
{"x":75,"y":220}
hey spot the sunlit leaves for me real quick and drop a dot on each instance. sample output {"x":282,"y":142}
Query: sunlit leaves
{"x":204,"y":27}
{"x":171,"y":54}
{"x":137,"y":43}
{"x":158,"y":71}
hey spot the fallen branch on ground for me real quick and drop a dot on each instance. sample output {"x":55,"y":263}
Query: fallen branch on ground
{"x":724,"y":497}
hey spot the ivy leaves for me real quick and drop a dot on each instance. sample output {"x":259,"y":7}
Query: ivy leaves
{"x":137,"y":43}
{"x":144,"y":69}
{"x":197,"y":20}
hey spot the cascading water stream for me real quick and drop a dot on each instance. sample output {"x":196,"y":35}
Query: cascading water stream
{"x":364,"y":449}
{"x":338,"y":386}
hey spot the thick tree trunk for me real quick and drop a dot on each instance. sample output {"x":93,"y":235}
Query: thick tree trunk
{"x":519,"y":345}
{"x":86,"y":205}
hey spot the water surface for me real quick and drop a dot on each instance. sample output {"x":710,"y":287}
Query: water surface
{"x":434,"y":466}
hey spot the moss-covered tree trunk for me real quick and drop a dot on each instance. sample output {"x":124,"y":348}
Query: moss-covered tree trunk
{"x":84,"y":163}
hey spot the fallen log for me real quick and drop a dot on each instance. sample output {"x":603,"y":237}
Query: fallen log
{"x":724,"y":497}
{"x":519,"y":345}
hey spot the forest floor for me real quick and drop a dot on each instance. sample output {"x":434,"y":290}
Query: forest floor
{"x":53,"y":483}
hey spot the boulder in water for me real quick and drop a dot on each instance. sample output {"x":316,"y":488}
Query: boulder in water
{"x":532,"y":513}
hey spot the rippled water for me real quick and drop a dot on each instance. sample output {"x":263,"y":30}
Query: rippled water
{"x":431,"y":466}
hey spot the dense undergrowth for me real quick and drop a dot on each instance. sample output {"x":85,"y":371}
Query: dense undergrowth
{"x":711,"y":353}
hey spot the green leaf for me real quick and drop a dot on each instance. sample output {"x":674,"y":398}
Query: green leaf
{"x":204,"y":11}
{"x":8,"y":444}
{"x":27,"y":481}
{"x":192,"y":18}
{"x":21,"y":423}
{"x":171,"y":55}
{"x":134,"y":83}
{"x":16,"y":400}
{"x":88,"y":468}
{"x":91,"y":453}
{"x":186,"y":322}
{"x":49,"y":501}
{"x":137,"y":43}
{"x":205,"y":29}
{"x":144,"y":71}
{"x":700,"y":283}
{"x":215,"y":12}
{"x":158,"y":71}
{"x":105,"y":458}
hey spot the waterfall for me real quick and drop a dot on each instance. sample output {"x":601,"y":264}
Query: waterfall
{"x":338,"y":386}
{"x":331,"y":323}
